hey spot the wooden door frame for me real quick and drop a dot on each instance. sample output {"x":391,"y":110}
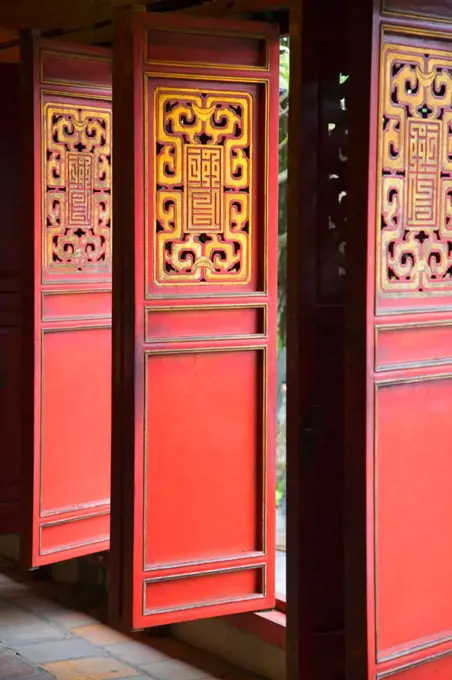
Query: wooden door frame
{"x":305,"y":22}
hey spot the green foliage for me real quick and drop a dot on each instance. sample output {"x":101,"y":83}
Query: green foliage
{"x":284,"y":81}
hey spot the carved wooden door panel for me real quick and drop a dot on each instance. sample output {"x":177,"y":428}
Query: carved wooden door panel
{"x":409,"y":355}
{"x":193,"y":515}
{"x":67,"y":321}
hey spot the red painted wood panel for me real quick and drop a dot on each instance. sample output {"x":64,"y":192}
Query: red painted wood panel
{"x":10,"y":302}
{"x":409,"y":376}
{"x":204,"y":322}
{"x":193,"y":516}
{"x":67,"y":324}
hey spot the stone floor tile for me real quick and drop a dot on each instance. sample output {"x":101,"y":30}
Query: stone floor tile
{"x":39,"y":605}
{"x":99,"y":634}
{"x":24,"y":633}
{"x":69,"y":620}
{"x":135,"y":677}
{"x":13,"y":666}
{"x":175,"y":670}
{"x":97,"y":668}
{"x":60,"y":650}
{"x":137,"y":652}
{"x":12,"y":590}
{"x":12,"y":615}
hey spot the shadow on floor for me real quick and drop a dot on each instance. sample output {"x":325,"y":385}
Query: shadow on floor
{"x":44,"y":634}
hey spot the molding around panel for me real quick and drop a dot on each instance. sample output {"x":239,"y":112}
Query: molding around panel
{"x":264,"y":410}
{"x":206,"y":307}
{"x":78,"y":544}
{"x":200,"y":64}
{"x":399,"y":653}
{"x":197,"y":574}
{"x":428,"y":363}
{"x":401,"y":14}
{"x":75,"y":508}
{"x":414,"y":664}
{"x":198,"y":563}
{"x":408,"y":648}
{"x":265,"y":81}
{"x":104,"y":277}
{"x":45,"y":331}
{"x":71,"y":55}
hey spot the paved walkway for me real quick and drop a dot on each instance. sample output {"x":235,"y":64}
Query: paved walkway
{"x":41,"y":639}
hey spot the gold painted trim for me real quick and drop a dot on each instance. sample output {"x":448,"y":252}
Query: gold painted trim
{"x":400,"y":653}
{"x":71,"y":55}
{"x":166,"y":566}
{"x":70,"y":520}
{"x":250,"y":247}
{"x":264,"y":452}
{"x":76,"y":291}
{"x":212,"y":78}
{"x":148,"y":75}
{"x":94,"y":279}
{"x":414,"y":664}
{"x":76,"y":95}
{"x":75,"y":508}
{"x":212,"y":603}
{"x":72,"y":546}
{"x":202,"y":64}
{"x":400,"y":14}
{"x":434,"y":297}
{"x":388,"y":382}
{"x":379,"y":328}
{"x":200,"y":338}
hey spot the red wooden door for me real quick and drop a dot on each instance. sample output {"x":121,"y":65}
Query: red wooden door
{"x":409,"y":354}
{"x":67,"y":321}
{"x":194,"y":318}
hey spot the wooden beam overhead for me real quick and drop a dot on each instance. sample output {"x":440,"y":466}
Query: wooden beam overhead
{"x":62,"y":14}
{"x":224,"y":8}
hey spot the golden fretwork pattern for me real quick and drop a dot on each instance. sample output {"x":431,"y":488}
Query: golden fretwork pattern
{"x":203,"y":151}
{"x":77,"y":190}
{"x":416,"y":165}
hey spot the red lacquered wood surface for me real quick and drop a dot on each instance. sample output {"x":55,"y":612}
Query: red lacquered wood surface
{"x":67,"y":321}
{"x":10,"y":303}
{"x":193,"y":499}
{"x":409,"y":363}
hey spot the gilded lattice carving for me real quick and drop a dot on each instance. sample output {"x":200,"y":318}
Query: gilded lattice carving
{"x":202,"y":193}
{"x":416,"y":166}
{"x":77,"y":197}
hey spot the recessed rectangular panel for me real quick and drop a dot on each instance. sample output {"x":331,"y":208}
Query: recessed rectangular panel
{"x":179,"y":324}
{"x":413,"y":505}
{"x":76,"y":419}
{"x":71,"y":305}
{"x":203,"y":420}
{"x":413,"y":346}
{"x":75,"y":69}
{"x":74,"y":533}
{"x":172,"y":46}
{"x":203,"y":590}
